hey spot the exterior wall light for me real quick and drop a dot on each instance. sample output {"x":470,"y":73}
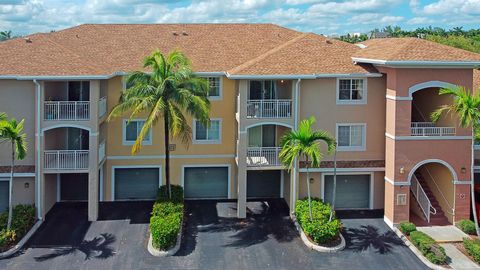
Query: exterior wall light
{"x":463,"y":170}
{"x":402,"y":170}
{"x":311,"y":180}
{"x":26,"y":185}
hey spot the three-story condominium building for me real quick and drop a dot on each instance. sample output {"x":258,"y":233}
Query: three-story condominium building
{"x":375,"y":98}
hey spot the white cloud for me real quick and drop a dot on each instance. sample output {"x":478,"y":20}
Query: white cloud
{"x":375,"y":18}
{"x":444,"y":7}
{"x":420,"y":20}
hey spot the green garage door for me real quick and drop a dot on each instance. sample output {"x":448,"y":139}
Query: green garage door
{"x":3,"y":196}
{"x":353,"y":191}
{"x":206,"y":182}
{"x":136,"y":183}
{"x":263,"y":184}
{"x":74,"y":187}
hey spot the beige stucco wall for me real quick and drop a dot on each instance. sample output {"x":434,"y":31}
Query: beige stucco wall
{"x":21,"y":194}
{"x":318,"y":98}
{"x":50,"y":194}
{"x":18,"y":101}
{"x":316,"y":186}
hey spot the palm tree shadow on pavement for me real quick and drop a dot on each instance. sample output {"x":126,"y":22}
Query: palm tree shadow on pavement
{"x":360,"y":239}
{"x":98,"y":248}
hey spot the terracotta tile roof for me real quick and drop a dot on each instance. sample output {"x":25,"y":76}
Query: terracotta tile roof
{"x":101,"y":49}
{"x":306,"y":54}
{"x":18,"y":169}
{"x":412,"y":49}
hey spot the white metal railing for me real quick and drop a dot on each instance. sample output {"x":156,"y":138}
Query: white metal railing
{"x":269,"y":108}
{"x":422,"y":198}
{"x":429,"y":129}
{"x":66,"y":159}
{"x":101,"y":151}
{"x":67,"y":110}
{"x":263,"y":156}
{"x":102,"y":106}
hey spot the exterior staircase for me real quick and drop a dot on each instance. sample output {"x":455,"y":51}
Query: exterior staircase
{"x":439,"y":217}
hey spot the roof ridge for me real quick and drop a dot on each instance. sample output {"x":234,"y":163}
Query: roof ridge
{"x":267,"y":53}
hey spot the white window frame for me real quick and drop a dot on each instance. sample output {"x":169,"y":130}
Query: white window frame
{"x":220,"y":88}
{"x":372,"y":188}
{"x":219,"y":141}
{"x":352,"y":101}
{"x":352,"y":148}
{"x":124,"y":133}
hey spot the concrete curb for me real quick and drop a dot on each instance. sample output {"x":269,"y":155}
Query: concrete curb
{"x":417,"y":252}
{"x":164,"y":253}
{"x":314,"y":246}
{"x":22,"y":242}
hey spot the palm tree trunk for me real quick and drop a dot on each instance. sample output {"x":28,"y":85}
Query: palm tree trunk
{"x":334,"y":183}
{"x":472,"y":184}
{"x":308,"y":192}
{"x":10,"y":189}
{"x":167,"y":157}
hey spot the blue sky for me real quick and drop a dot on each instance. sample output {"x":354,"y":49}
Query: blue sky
{"x":319,"y":16}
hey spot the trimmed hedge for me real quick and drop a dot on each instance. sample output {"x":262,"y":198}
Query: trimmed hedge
{"x":23,"y":218}
{"x":320,"y":230}
{"x":407,"y":227}
{"x":429,"y":248}
{"x":166,"y":219}
{"x":473,"y":248}
{"x":467,"y":226}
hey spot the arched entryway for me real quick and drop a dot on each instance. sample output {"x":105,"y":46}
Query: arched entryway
{"x":432,"y":193}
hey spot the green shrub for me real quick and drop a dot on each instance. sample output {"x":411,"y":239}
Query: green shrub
{"x":7,"y":238}
{"x":166,"y":219}
{"x":177,"y":194}
{"x":473,"y":248}
{"x":407,"y":227}
{"x":467,"y":226}
{"x":320,"y":230}
{"x":431,"y":250}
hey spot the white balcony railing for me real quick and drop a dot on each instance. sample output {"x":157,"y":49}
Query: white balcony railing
{"x":429,"y":129}
{"x":422,"y":198}
{"x":101,"y":151}
{"x":67,"y":110}
{"x":66,"y":159}
{"x":269,"y":108}
{"x":102,"y":106}
{"x":263,"y":156}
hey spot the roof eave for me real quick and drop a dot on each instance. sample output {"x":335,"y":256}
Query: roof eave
{"x":406,"y":64}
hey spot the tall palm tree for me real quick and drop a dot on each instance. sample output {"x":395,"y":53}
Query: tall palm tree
{"x":305,"y":142}
{"x":11,"y":132}
{"x":4,"y":35}
{"x":466,"y":106}
{"x":165,"y":90}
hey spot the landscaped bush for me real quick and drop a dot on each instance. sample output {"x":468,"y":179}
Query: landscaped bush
{"x":473,"y":248}
{"x":407,"y":227}
{"x":431,"y":250}
{"x":467,"y":226}
{"x":320,"y":230}
{"x":23,"y":218}
{"x":177,"y":194}
{"x":166,"y":219}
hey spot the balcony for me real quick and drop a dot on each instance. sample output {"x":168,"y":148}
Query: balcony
{"x":269,"y":108}
{"x":67,"y":110}
{"x":426,"y":129}
{"x":66,"y":159}
{"x":263,"y":156}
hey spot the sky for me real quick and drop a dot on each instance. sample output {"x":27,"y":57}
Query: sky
{"x":320,"y":16}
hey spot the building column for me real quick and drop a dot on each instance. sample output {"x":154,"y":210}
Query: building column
{"x":242,"y":175}
{"x":93,"y":178}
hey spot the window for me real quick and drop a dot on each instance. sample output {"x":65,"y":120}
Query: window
{"x":351,"y":137}
{"x":351,"y":91}
{"x":131,"y":131}
{"x":215,"y":87}
{"x":207,"y":135}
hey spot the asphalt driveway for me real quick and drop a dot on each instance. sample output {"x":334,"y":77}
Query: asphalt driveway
{"x":214,"y":239}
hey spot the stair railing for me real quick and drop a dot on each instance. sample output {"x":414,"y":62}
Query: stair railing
{"x":452,"y":212}
{"x":422,"y":198}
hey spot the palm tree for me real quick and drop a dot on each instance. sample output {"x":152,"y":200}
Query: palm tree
{"x":165,"y":90}
{"x":11,"y":132}
{"x":305,"y":142}
{"x":466,"y":106}
{"x":4,"y":35}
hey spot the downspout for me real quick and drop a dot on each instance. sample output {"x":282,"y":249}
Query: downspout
{"x":295,"y":168}
{"x":39,"y":139}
